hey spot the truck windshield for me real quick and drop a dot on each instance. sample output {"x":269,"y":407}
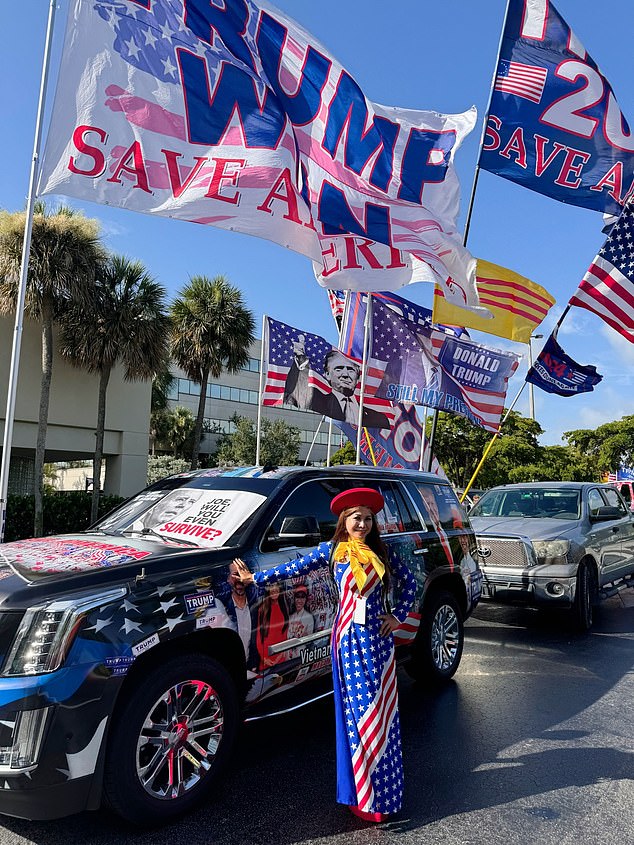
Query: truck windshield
{"x":529,"y":503}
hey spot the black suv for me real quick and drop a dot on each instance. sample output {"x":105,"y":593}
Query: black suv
{"x":130,"y":653}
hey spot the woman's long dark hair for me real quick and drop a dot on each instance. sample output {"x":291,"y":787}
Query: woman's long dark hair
{"x":373,"y":540}
{"x":264,"y":614}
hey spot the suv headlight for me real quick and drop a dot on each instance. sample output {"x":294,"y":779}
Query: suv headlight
{"x":551,"y":551}
{"x":47,"y":631}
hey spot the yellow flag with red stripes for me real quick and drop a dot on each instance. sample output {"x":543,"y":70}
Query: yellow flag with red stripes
{"x":517,"y":304}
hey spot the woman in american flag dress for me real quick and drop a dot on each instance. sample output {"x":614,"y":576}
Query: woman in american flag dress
{"x":369,"y":764}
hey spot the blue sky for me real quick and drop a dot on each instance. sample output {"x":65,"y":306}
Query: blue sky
{"x":412,"y":54}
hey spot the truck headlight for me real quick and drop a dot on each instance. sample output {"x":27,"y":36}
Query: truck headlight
{"x":47,"y":631}
{"x":551,"y":551}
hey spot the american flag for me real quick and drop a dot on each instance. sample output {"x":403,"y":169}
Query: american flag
{"x":337,"y":299}
{"x":526,"y":81}
{"x":280,"y":340}
{"x":607,"y":288}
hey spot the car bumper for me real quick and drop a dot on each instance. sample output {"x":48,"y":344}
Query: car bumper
{"x":508,"y":586}
{"x":53,"y":769}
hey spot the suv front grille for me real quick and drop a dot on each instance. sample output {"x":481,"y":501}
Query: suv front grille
{"x":503,"y":551}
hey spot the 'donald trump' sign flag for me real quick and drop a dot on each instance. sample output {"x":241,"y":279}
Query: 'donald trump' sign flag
{"x":230,"y":114}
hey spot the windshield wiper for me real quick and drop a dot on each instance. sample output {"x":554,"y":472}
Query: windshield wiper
{"x":145,"y":532}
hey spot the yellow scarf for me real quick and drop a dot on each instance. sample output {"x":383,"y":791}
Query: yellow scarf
{"x":359,"y":555}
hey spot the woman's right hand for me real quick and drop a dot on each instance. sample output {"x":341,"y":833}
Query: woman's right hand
{"x":244,"y":573}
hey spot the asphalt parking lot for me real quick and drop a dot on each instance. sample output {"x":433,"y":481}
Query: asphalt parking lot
{"x":533,"y":742}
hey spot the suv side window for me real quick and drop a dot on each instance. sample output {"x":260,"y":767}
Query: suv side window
{"x":309,"y":499}
{"x":438,"y":506}
{"x":397,"y":515}
{"x":625,"y":491}
{"x":614,"y":500}
{"x":595,"y":501}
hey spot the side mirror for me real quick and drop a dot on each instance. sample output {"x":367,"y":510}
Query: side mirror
{"x":296,"y":531}
{"x":606,"y":513}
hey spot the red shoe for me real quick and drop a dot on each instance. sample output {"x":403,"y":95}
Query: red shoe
{"x":367,"y":817}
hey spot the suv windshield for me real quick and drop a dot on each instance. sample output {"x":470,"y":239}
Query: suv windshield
{"x":189,"y":514}
{"x":529,"y":502}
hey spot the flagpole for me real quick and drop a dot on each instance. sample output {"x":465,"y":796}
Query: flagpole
{"x":367,"y":440}
{"x":310,"y":448}
{"x":329,"y":442}
{"x":491,"y":442}
{"x":261,"y":396}
{"x":366,"y":334}
{"x":346,"y":308}
{"x":423,"y":437}
{"x":432,"y":440}
{"x":476,"y":174}
{"x":26,"y":249}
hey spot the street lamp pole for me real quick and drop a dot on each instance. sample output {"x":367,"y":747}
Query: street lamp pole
{"x":531,"y":395}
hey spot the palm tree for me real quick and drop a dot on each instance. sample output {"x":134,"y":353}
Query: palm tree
{"x":125,"y":321}
{"x":65,"y":250}
{"x":212,"y":330}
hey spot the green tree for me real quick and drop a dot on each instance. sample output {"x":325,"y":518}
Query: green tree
{"x":608,"y":446}
{"x":122,"y":320}
{"x":212,"y":331}
{"x":174,"y":431}
{"x":65,"y":253}
{"x":556,"y":463}
{"x":346,"y":455}
{"x":160,"y":466}
{"x":279,"y":444}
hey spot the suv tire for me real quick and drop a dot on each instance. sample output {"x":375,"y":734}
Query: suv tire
{"x":171,"y":739}
{"x":584,"y":597}
{"x":437,"y":650}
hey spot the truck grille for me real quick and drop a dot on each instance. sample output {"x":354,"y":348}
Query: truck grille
{"x":503,"y":551}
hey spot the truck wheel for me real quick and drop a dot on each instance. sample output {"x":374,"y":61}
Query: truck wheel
{"x":437,"y":650}
{"x":584,"y":598}
{"x":171,"y":740}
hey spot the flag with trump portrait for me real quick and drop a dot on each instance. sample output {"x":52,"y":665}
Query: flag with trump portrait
{"x":304,"y":370}
{"x":231,"y":115}
{"x":554,"y":124}
{"x":428,"y":365}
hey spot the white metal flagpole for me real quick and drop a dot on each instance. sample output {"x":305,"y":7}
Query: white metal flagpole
{"x":265,"y":342}
{"x":366,"y":337}
{"x":26,"y":248}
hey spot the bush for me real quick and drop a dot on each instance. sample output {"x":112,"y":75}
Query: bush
{"x":64,"y":513}
{"x":160,"y":466}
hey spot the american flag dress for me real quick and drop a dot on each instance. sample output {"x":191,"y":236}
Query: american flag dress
{"x":368,"y":736}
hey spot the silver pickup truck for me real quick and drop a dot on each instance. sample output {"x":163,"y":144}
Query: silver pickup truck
{"x":565,"y":544}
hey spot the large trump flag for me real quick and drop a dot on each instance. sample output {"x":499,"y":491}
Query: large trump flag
{"x":230,"y":114}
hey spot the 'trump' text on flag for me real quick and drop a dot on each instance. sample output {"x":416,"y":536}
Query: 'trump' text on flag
{"x":232,"y":115}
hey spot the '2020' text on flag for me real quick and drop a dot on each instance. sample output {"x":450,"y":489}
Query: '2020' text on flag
{"x":554,"y":124}
{"x":607,"y":288}
{"x":231,"y":115}
{"x":516,"y":304}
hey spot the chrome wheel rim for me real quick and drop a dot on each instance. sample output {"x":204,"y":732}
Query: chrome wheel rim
{"x":179,"y":739}
{"x":445,"y":637}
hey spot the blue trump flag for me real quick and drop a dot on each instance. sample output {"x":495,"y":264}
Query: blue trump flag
{"x":556,"y":372}
{"x":554,"y":124}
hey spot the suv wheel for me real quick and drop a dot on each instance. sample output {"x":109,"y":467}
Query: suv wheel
{"x":584,"y":597}
{"x":170,"y":741}
{"x":437,"y":650}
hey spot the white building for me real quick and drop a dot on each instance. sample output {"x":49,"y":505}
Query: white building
{"x":238,"y":394}
{"x":72,"y":416}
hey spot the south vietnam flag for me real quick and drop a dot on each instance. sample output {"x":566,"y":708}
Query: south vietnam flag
{"x":517,"y":305}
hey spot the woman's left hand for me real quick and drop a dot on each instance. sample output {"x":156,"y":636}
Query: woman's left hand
{"x":388,"y":624}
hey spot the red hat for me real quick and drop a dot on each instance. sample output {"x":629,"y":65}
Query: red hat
{"x":357,"y":497}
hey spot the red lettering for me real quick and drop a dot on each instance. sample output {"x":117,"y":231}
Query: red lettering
{"x":287,"y":196}
{"x":613,"y":180}
{"x":99,"y":160}
{"x":327,"y":253}
{"x":132,"y":162}
{"x":363,"y":246}
{"x":224,"y":175}
{"x":516,"y":145}
{"x":492,"y":138}
{"x":174,"y":173}
{"x":570,"y":167}
{"x":542,"y":164}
